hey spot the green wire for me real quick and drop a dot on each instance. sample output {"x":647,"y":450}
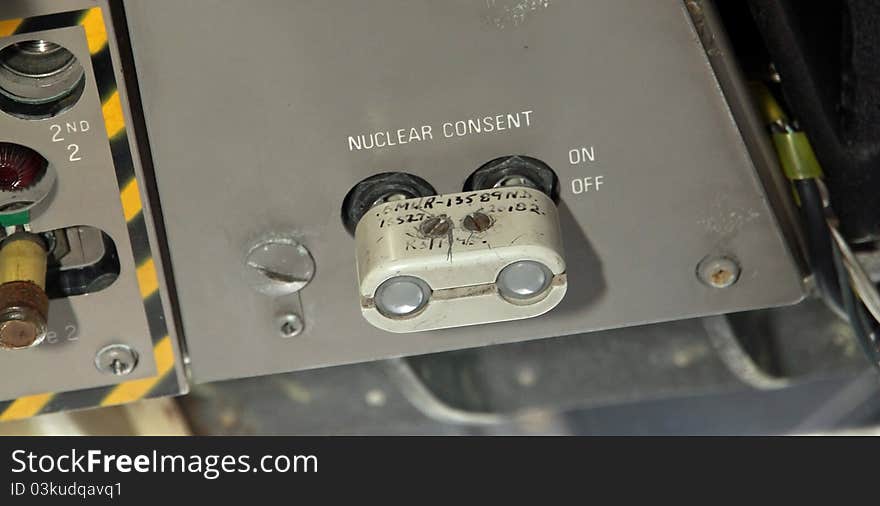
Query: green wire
{"x":20,"y":218}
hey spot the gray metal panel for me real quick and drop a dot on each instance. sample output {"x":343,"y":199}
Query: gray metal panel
{"x":249,"y":107}
{"x":86,"y":193}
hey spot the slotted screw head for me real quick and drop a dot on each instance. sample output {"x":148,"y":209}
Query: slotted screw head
{"x":436,"y":226}
{"x":477,"y":222}
{"x":278,"y":264}
{"x":290,"y":325}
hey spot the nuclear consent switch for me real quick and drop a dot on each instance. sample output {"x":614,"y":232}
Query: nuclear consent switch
{"x":460,"y":259}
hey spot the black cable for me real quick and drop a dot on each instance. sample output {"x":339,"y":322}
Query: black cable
{"x":832,"y":278}
{"x":823,"y":253}
{"x":820,"y":250}
{"x":856,"y":312}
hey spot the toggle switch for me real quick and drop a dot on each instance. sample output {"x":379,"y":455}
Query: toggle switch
{"x":460,"y":259}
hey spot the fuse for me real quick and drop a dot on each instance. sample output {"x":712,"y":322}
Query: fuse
{"x":24,"y":305}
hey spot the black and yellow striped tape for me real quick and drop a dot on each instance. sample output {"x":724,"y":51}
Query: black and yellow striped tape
{"x":165,"y":381}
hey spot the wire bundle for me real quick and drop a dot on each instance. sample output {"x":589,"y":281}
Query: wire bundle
{"x":840,"y":278}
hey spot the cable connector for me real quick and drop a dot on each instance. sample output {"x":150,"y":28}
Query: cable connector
{"x":796,"y":156}
{"x":792,"y":145}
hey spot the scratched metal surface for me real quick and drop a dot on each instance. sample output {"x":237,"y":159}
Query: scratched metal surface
{"x":249,"y":110}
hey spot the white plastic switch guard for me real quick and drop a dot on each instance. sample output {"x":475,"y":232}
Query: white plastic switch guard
{"x":460,"y":265}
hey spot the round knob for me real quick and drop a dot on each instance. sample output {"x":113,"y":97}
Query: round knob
{"x":524,"y":280}
{"x":401,"y":296}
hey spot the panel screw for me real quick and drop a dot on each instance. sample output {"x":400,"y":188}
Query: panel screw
{"x":436,"y":226}
{"x":477,"y":222}
{"x":116,"y":359}
{"x":718,"y":271}
{"x":278,"y":264}
{"x":290,"y":325}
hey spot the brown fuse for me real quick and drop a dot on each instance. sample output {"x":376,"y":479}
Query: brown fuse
{"x":24,"y":305}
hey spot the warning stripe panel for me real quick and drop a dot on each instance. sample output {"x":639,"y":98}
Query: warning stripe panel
{"x":25,"y":407}
{"x":165,"y":382}
{"x":114,"y":120}
{"x":9,"y":26}
{"x":147,"y":279}
{"x":136,"y":389}
{"x":131,"y":200}
{"x":96,"y":30}
{"x":129,"y":391}
{"x":49,"y":22}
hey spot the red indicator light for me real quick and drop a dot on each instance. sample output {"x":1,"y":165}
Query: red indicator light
{"x":20,"y":167}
